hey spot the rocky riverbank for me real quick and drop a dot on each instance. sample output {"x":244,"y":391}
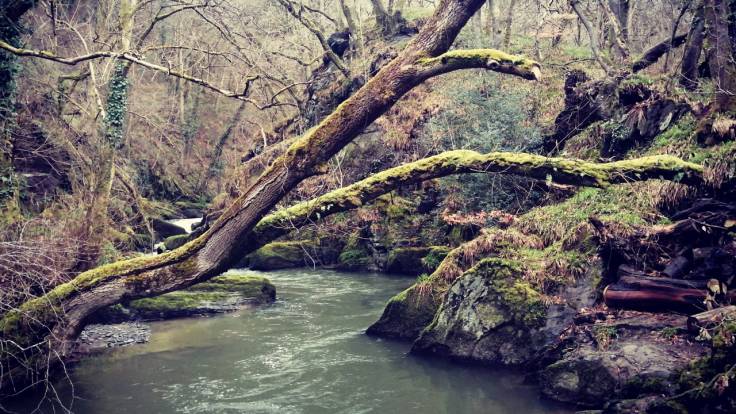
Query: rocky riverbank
{"x":124,"y":324}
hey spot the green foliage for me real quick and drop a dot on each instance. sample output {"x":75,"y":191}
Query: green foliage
{"x":604,"y":335}
{"x":10,"y":32}
{"x":577,"y":52}
{"x":108,"y":254}
{"x":668,"y":332}
{"x":436,"y":255}
{"x":117,"y":106}
{"x":675,"y":134}
{"x":483,"y":118}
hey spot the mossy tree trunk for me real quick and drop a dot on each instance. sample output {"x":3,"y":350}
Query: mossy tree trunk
{"x":558,"y":170}
{"x":38,"y":322}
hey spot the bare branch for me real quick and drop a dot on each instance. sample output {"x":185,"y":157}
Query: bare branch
{"x":243,"y":96}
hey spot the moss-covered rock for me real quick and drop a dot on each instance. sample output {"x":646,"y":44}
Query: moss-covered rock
{"x":488,"y":315}
{"x":224,"y":293}
{"x":589,"y":375}
{"x":164,"y":229}
{"x":405,"y":315}
{"x":415,"y":260}
{"x":173,"y":242}
{"x":281,"y":255}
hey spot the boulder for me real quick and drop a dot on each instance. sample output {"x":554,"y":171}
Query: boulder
{"x":164,"y":229}
{"x":224,"y":293}
{"x":281,"y":255}
{"x":493,"y":316}
{"x":173,"y":242}
{"x":405,"y":316}
{"x":590,"y":375}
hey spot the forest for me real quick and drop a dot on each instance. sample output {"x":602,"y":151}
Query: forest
{"x":356,"y":206}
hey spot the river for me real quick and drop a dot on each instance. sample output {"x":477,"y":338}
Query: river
{"x":306,"y":353}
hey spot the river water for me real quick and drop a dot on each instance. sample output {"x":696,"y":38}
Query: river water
{"x":306,"y":353}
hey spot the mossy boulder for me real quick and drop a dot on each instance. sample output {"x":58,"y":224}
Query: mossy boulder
{"x":224,"y":293}
{"x":405,"y":315}
{"x":589,"y":375}
{"x":489,"y":315}
{"x":415,"y":260}
{"x":164,"y":229}
{"x":281,"y":255}
{"x":174,"y":242}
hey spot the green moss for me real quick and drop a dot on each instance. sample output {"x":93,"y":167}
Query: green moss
{"x":523,"y":301}
{"x":221,"y":293}
{"x":355,"y":255}
{"x":561,"y":222}
{"x":435,"y":256}
{"x":481,"y":57}
{"x":669,"y":332}
{"x":177,"y":301}
{"x":675,"y":134}
{"x":638,"y":78}
{"x":280,"y":255}
{"x":175,"y":242}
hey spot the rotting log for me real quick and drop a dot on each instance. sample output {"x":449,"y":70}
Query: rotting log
{"x":650,"y":247}
{"x":711,"y":318}
{"x":652,"y":55}
{"x":658,"y":294}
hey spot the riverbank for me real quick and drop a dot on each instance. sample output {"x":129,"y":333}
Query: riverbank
{"x":305,"y":353}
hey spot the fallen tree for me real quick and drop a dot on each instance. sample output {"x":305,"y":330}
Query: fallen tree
{"x":44,"y":326}
{"x":558,"y":170}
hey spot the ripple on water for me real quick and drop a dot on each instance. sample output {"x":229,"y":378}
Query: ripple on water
{"x":304,"y":354}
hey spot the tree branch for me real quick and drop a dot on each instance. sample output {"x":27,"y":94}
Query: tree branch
{"x":312,"y":27}
{"x":592,"y":35}
{"x":490,"y":59}
{"x":71,"y":61}
{"x":559,"y":170}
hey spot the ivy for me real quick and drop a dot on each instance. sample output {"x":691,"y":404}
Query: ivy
{"x":10,"y":31}
{"x":117,"y":106}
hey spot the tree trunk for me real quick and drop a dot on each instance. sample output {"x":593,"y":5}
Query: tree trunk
{"x":653,"y":54}
{"x":675,"y":28}
{"x":719,"y":53}
{"x":214,"y":167}
{"x":509,"y":22}
{"x":558,"y":170}
{"x":657,"y":294}
{"x":113,"y":139}
{"x":385,"y":20}
{"x":615,"y":23}
{"x":216,"y":250}
{"x":592,"y":35}
{"x":710,"y":319}
{"x":620,"y":9}
{"x":492,"y":27}
{"x":354,"y":32}
{"x":691,"y":56}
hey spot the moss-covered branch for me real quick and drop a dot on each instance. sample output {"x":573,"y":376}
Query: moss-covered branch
{"x":559,"y":170}
{"x":490,"y":59}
